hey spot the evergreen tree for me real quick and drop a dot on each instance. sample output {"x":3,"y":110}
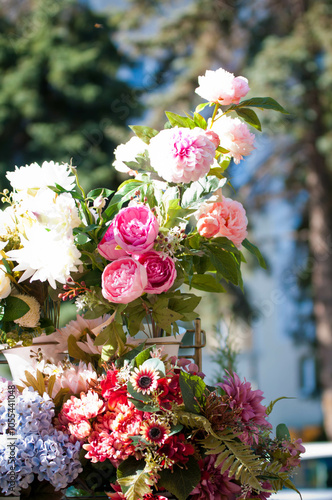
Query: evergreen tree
{"x":60,"y":95}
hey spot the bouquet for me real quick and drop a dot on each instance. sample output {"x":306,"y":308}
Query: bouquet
{"x":130,"y":260}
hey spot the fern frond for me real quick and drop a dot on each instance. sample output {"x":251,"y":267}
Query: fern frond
{"x":194,"y":421}
{"x":236,"y":457}
{"x":136,"y":485}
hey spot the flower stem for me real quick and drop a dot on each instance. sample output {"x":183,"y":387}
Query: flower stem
{"x":214,"y":114}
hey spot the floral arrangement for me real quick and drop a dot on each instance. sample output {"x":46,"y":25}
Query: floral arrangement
{"x":155,"y":425}
{"x":130,"y":260}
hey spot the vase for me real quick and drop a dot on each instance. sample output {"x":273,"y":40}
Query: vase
{"x":170,"y":345}
{"x":24,"y":358}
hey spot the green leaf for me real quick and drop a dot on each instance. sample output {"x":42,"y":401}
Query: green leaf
{"x":125,"y":191}
{"x":200,"y":121}
{"x":15,"y":308}
{"x":75,"y":352}
{"x":81,"y":238}
{"x":6,"y":264}
{"x":225,"y":263}
{"x":282,"y":432}
{"x":94,"y":193}
{"x":271,"y":405}
{"x":201,"y":106}
{"x":113,"y":335}
{"x":180,"y":121}
{"x":144,"y":133}
{"x":254,"y":251}
{"x":193,"y":390}
{"x":181,"y":480}
{"x":206,"y":283}
{"x":132,"y":354}
{"x":250,"y":117}
{"x":263,"y":103}
{"x":184,"y":302}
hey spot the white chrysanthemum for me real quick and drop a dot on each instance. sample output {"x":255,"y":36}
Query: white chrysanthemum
{"x":80,"y":327}
{"x":128,"y":152}
{"x":32,"y":177}
{"x":45,"y":256}
{"x":31,"y":318}
{"x":5,"y":286}
{"x":56,"y":212}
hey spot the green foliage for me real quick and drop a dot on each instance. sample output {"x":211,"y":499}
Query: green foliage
{"x":15,"y":308}
{"x":282,"y":432}
{"x":193,"y":391}
{"x":181,"y":480}
{"x":134,"y":478}
{"x":235,"y":456}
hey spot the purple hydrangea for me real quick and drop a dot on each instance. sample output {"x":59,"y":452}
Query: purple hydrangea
{"x":41,"y":449}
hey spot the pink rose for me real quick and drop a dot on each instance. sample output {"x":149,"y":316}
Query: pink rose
{"x":231,"y":217}
{"x":135,"y":229}
{"x":107,"y":246}
{"x":160,"y":270}
{"x":222,"y":87}
{"x":208,"y":226}
{"x":123,"y":280}
{"x":181,"y":154}
{"x":235,"y":136}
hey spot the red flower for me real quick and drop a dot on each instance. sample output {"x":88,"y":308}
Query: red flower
{"x":169,"y":391}
{"x":109,"y":384}
{"x":155,"y":432}
{"x":177,"y":449}
{"x":118,"y":397}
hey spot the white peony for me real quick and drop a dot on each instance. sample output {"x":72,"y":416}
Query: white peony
{"x":56,"y":212}
{"x":5,"y":286}
{"x":32,"y":177}
{"x":128,"y":152}
{"x":45,"y":256}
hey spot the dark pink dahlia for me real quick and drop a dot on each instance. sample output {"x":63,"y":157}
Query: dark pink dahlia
{"x":213,"y":485}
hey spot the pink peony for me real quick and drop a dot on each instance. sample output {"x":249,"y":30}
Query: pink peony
{"x":181,"y":154}
{"x":208,"y":226}
{"x":107,"y":246}
{"x":214,"y":485}
{"x":252,"y":416}
{"x":222,"y":87}
{"x":235,"y":136}
{"x":123,"y":280}
{"x":87,"y":406}
{"x":231,"y":217}
{"x":135,"y":229}
{"x":160,"y":270}
{"x":80,"y":430}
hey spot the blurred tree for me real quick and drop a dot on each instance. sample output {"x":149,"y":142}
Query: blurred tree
{"x":60,"y":95}
{"x":285,"y":48}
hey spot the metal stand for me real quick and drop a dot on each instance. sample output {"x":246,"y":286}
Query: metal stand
{"x":199,"y":341}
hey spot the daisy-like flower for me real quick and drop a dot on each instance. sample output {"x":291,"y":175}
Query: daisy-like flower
{"x":46,"y":257}
{"x":144,"y":379}
{"x":155,"y":431}
{"x":32,"y":177}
